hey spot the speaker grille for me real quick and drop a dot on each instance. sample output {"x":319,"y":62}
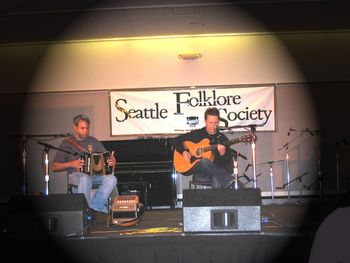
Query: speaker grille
{"x":217,"y":210}
{"x":55,"y":215}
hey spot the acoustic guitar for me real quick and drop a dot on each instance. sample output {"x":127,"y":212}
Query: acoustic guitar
{"x":200,"y":150}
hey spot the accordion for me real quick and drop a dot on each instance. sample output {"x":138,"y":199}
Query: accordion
{"x":96,"y":163}
{"x":126,"y":208}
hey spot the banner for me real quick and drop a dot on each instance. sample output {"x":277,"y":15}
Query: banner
{"x":156,"y":112}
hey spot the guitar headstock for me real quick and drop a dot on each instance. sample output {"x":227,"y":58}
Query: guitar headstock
{"x":251,"y":137}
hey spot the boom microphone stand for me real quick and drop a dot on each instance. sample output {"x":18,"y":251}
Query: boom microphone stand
{"x":320,"y":176}
{"x":271,"y":175}
{"x":235,"y":165}
{"x":24,"y":139}
{"x":300,"y":178}
{"x":337,"y":155}
{"x":252,"y":128}
{"x":46,"y":162}
{"x":24,"y":163}
{"x":249,"y":179}
{"x":285,"y":146}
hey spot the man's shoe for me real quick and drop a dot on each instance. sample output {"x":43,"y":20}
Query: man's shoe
{"x":99,"y":218}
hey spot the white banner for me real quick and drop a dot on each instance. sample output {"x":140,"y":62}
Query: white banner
{"x":181,"y":110}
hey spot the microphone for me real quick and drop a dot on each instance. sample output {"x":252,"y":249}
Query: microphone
{"x":311,"y":133}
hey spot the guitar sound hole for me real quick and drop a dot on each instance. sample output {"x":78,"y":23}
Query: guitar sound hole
{"x":199,"y":152}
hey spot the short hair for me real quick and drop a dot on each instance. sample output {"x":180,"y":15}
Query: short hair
{"x":212,"y":111}
{"x":80,"y":117}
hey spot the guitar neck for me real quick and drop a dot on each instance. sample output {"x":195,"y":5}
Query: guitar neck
{"x":246,"y":138}
{"x":237,"y":140}
{"x":212,"y":147}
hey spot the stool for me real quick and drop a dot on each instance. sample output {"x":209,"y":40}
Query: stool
{"x":195,"y":184}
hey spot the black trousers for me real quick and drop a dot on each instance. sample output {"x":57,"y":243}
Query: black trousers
{"x":207,"y":171}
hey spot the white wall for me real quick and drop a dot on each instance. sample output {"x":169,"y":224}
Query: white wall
{"x":92,"y":68}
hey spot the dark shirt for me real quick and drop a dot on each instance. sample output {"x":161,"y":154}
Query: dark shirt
{"x":198,"y":135}
{"x":62,"y":157}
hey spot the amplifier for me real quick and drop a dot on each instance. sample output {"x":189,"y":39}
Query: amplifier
{"x":126,"y":199}
{"x":125,"y":208}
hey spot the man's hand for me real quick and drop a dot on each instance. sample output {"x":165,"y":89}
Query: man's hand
{"x":112,"y":161}
{"x":187,"y":156}
{"x":221,"y":149}
{"x":77,"y":164}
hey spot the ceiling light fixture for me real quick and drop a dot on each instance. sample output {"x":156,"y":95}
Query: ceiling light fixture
{"x":191,"y":56}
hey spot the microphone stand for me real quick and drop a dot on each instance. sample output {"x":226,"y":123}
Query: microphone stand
{"x":271,"y":175}
{"x":318,"y":180}
{"x":300,"y":184}
{"x":285,"y":146}
{"x":337,"y":156}
{"x":46,"y":162}
{"x":24,"y":163}
{"x":319,"y":172}
{"x":248,"y":179}
{"x":235,"y":165}
{"x":24,"y":138}
{"x":252,"y":128}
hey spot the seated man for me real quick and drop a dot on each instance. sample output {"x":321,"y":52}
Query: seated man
{"x":72,"y":163}
{"x":216,"y":170}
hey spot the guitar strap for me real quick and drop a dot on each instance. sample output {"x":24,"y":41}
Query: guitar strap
{"x":76,"y":144}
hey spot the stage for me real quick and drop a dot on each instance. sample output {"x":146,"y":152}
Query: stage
{"x":287,"y":232}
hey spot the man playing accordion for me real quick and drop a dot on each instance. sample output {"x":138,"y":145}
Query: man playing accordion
{"x":81,"y":143}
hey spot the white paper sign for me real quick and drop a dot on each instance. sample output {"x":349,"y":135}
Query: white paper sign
{"x":181,"y":110}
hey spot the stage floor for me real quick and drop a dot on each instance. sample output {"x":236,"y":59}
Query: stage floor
{"x":281,"y":219}
{"x":159,"y":237}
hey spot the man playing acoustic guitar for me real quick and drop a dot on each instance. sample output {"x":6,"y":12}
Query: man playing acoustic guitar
{"x":205,"y":153}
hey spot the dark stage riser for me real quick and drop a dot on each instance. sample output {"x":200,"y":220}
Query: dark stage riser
{"x":242,"y":248}
{"x":287,"y":237}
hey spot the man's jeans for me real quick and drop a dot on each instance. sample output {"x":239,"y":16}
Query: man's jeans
{"x":106,"y":184}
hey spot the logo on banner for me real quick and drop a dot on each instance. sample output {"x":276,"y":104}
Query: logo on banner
{"x":192,"y":121}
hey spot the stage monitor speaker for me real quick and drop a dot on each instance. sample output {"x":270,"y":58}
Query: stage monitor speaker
{"x":222,"y":210}
{"x":48,"y":215}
